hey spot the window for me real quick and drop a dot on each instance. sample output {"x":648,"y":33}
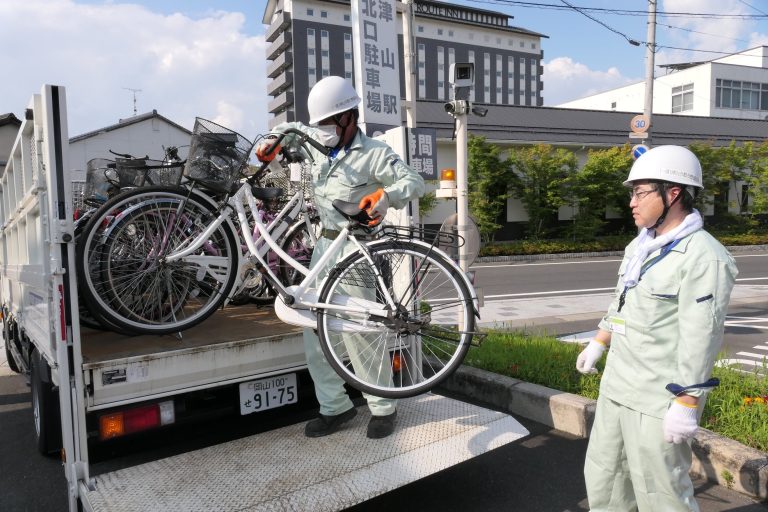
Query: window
{"x":310,"y":51}
{"x":741,"y":95}
{"x":326,"y":72}
{"x":613,"y":105}
{"x":347,"y":37}
{"x":323,"y":33}
{"x":324,"y":53}
{"x":522,"y":44}
{"x":323,"y":14}
{"x":533,"y":46}
{"x":421,"y":28}
{"x":348,"y":74}
{"x":439,"y":31}
{"x":346,"y":17}
{"x":421,"y":64}
{"x":310,"y":12}
{"x":347,"y":55}
{"x":421,"y":82}
{"x":311,"y":32}
{"x":682,"y":98}
{"x":450,"y":33}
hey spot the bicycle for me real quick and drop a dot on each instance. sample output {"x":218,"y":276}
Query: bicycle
{"x":373,"y":312}
{"x":116,"y":303}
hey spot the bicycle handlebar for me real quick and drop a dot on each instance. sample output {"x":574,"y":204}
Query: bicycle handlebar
{"x":303,"y":138}
{"x":126,"y":155}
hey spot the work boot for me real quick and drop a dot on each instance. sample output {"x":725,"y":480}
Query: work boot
{"x":325,"y":425}
{"x":381,"y":426}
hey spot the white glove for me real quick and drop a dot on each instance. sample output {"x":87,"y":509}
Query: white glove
{"x":680,"y":422}
{"x":586,"y":361}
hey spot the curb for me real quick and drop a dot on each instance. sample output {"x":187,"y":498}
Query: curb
{"x":577,"y":255}
{"x":720,"y":460}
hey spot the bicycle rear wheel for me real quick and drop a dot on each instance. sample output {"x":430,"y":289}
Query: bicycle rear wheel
{"x":128,"y":279}
{"x":425,"y":335}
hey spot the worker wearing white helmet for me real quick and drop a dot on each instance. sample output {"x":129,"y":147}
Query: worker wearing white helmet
{"x":662,"y":332}
{"x":359,"y":169}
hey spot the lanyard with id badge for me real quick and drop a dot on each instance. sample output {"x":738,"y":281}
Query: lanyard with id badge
{"x":618,"y":324}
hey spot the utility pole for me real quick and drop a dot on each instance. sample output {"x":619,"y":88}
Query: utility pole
{"x":650,"y":55}
{"x":409,"y":46}
{"x":134,"y":91}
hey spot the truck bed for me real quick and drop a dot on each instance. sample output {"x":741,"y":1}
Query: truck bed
{"x":235,"y":344}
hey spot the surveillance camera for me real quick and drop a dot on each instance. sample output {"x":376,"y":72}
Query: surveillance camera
{"x":456,"y":107}
{"x":461,"y":74}
{"x":480,"y":111}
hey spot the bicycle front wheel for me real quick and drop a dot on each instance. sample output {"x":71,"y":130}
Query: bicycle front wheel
{"x":427,"y":329}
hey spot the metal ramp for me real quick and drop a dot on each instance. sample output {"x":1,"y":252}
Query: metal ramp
{"x":282,"y":470}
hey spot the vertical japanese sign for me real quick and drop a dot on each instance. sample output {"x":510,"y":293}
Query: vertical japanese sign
{"x":422,"y":150}
{"x":377,"y":68}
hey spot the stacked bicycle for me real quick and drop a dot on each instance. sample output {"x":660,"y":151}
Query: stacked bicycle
{"x":173,"y":255}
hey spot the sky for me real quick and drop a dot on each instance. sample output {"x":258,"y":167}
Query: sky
{"x":188,"y":58}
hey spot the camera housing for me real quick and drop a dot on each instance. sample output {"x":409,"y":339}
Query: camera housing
{"x":456,"y":107}
{"x":461,"y":74}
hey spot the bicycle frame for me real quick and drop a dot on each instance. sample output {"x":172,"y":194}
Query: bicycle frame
{"x":302,"y":294}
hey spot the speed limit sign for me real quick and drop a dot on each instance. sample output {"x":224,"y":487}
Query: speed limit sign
{"x":640,"y":123}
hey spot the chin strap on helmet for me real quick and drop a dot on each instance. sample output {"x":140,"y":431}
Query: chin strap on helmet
{"x":662,"y":188}
{"x":354,"y":115}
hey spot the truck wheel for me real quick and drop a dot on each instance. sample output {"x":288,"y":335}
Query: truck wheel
{"x":45,"y":408}
{"x":9,"y":357}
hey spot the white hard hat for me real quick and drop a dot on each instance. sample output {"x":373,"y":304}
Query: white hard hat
{"x":674,"y":164}
{"x":330,"y":96}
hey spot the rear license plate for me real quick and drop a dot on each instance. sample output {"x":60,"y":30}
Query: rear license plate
{"x":263,"y":394}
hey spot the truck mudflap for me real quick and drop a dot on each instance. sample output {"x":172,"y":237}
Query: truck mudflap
{"x":283,"y":470}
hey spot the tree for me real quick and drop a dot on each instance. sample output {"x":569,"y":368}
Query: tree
{"x":597,"y":188}
{"x":487,"y":179}
{"x":539,"y":180}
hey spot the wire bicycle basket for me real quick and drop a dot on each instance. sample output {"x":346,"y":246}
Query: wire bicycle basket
{"x":100,"y":181}
{"x":144,"y":172}
{"x":217,"y":156}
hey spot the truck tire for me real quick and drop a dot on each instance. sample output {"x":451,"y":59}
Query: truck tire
{"x":8,"y":339}
{"x":45,"y":408}
{"x":9,"y":357}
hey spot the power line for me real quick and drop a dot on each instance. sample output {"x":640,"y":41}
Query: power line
{"x":624,"y":12}
{"x":702,"y":33}
{"x":580,"y":11}
{"x":752,"y":7}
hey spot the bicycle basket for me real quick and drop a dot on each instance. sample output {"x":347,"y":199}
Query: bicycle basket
{"x":130,"y":171}
{"x":163,"y":173}
{"x":100,"y":181}
{"x":217,"y":156}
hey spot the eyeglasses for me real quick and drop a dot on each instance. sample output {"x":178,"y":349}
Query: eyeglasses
{"x":640,"y":194}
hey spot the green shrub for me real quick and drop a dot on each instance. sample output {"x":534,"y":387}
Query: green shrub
{"x":737,"y":409}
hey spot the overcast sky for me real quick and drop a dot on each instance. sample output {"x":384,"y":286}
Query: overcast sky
{"x":206,"y":58}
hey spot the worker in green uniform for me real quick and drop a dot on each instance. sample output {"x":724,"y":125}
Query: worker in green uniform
{"x":662,"y":332}
{"x":357,"y":169}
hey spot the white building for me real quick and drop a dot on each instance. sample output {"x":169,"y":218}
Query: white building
{"x":734,"y":86}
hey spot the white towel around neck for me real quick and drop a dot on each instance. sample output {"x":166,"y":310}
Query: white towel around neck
{"x":647,"y":243}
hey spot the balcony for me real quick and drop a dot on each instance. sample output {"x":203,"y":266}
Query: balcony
{"x":280,"y":84}
{"x":282,"y":62}
{"x":281,"y":42}
{"x":280,"y":103}
{"x":279,"y":24}
{"x":286,"y":116}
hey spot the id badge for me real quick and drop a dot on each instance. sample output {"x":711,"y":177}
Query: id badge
{"x":617,"y":324}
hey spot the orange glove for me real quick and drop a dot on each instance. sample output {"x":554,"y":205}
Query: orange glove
{"x":263,"y":147}
{"x":376,"y":204}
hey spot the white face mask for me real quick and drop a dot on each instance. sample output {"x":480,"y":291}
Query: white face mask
{"x":327,"y":135}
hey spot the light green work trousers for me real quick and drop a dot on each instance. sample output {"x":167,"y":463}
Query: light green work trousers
{"x":629,"y":465}
{"x":329,"y":387}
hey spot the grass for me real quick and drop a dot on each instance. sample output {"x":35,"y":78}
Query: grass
{"x":737,"y":409}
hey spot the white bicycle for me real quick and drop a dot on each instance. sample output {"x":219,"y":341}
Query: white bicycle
{"x":395,"y":317}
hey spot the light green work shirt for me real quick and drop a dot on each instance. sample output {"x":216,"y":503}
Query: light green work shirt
{"x":359,"y":169}
{"x":670,"y":328}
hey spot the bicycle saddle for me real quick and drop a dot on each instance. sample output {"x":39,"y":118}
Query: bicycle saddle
{"x":351,"y":211}
{"x":265,"y":193}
